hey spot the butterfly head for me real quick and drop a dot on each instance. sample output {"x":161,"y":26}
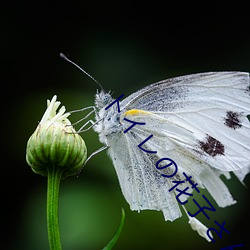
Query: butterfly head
{"x":102,"y":99}
{"x":108,"y":119}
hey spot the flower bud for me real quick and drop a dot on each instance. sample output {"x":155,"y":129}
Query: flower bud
{"x":55,"y":144}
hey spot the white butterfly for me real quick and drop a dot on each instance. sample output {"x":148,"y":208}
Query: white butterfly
{"x":199,"y":121}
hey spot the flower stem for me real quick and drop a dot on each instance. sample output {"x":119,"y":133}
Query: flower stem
{"x":54,"y":177}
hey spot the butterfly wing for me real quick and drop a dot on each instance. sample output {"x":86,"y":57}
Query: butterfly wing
{"x":199,"y":121}
{"x":210,"y":106}
{"x":141,"y":183}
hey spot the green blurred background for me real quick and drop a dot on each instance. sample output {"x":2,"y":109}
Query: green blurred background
{"x":125,"y":46}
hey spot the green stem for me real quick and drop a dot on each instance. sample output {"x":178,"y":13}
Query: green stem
{"x":54,"y":177}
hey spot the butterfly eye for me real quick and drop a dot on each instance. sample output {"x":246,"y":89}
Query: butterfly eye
{"x":102,"y":99}
{"x":106,"y":99}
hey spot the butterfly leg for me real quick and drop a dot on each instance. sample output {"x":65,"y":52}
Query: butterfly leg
{"x":96,"y":152}
{"x":92,"y":154}
{"x":81,"y":129}
{"x":86,"y":116}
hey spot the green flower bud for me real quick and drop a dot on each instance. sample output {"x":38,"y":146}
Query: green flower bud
{"x":55,"y":144}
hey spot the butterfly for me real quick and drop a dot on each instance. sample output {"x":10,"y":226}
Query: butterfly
{"x":199,"y":121}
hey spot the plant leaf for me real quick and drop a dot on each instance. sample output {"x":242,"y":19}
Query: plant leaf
{"x":110,"y":245}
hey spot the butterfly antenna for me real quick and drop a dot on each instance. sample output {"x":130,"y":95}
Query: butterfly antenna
{"x":90,"y":76}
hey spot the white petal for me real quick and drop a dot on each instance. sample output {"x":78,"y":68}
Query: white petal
{"x":196,"y":225}
{"x":51,"y":114}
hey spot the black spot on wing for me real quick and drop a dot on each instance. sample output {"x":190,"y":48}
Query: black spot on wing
{"x":233,"y":119}
{"x":248,"y":89}
{"x":212,"y":146}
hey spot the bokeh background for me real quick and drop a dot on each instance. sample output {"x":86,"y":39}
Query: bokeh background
{"x":125,"y":45}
